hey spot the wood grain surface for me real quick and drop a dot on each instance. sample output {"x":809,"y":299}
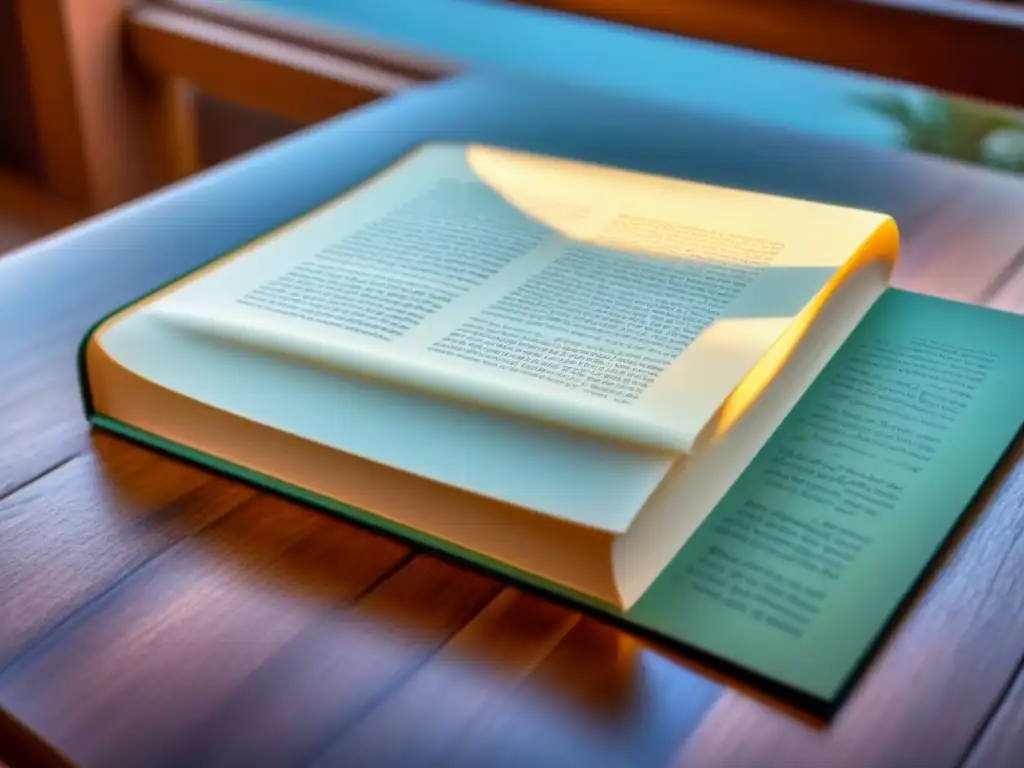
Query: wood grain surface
{"x":1002,"y":743}
{"x":152,"y":614}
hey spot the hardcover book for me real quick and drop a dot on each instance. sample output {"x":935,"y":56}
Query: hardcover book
{"x":701,"y":412}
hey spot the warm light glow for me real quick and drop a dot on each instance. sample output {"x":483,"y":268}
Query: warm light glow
{"x":568,"y":196}
{"x":746,"y":394}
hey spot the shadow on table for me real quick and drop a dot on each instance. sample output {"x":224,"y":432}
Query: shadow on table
{"x":365,"y":600}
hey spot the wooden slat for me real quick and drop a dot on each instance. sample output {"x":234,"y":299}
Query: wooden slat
{"x":595,"y":698}
{"x":151,"y":505}
{"x":970,"y":47}
{"x":18,"y":150}
{"x":259,"y":632}
{"x":333,"y":41}
{"x":105,"y":135}
{"x":49,"y":65}
{"x":494,"y":653}
{"x":302,"y":82}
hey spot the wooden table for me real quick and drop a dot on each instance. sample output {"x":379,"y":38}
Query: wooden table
{"x":152,"y":614}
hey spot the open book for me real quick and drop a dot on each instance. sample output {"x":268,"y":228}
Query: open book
{"x":564,"y":372}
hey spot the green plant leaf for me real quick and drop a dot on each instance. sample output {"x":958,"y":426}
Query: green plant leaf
{"x":946,"y":126}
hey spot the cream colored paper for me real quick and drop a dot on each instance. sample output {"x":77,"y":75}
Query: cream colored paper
{"x":603,"y":300}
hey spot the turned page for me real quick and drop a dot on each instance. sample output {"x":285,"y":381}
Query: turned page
{"x":596,"y":298}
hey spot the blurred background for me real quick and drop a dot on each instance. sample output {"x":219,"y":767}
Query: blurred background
{"x":105,"y":100}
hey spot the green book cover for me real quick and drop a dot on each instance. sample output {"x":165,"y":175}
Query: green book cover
{"x":798,"y":570}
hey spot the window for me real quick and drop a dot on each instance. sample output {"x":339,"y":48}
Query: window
{"x":109,"y":99}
